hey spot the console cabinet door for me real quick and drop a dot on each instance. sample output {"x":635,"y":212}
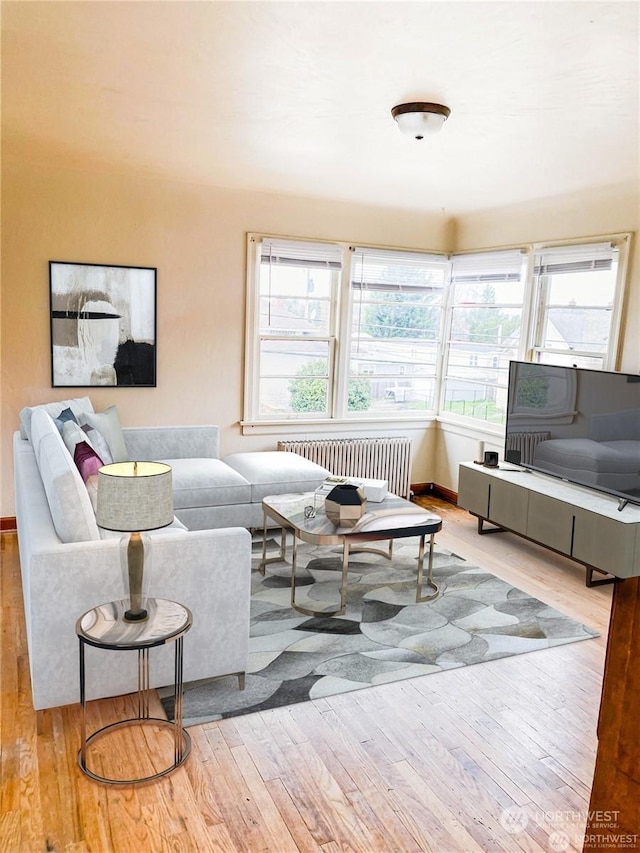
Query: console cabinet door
{"x":605,"y":543}
{"x":473,"y":491}
{"x":550,"y":522}
{"x":508,"y":505}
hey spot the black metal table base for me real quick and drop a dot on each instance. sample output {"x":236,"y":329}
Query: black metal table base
{"x":180,"y":755}
{"x":141,"y":644}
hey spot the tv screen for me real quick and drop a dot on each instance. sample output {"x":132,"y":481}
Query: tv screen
{"x":577,"y":424}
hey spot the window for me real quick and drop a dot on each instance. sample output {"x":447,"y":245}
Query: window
{"x":384,"y":306}
{"x":337,"y":332}
{"x":576,"y":288}
{"x":396,"y":301}
{"x":295,"y":321}
{"x":485,"y":329}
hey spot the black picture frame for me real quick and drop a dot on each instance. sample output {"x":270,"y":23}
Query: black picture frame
{"x":103,"y":325}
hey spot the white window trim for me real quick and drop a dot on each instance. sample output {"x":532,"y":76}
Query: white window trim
{"x":253,"y":337}
{"x":345,"y":314}
{"x":338,"y":421}
{"x":445,"y":338}
{"x":610,"y":359}
{"x":252,"y":342}
{"x":445,"y":261}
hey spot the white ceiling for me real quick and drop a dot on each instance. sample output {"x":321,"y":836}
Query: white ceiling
{"x":296,"y":97}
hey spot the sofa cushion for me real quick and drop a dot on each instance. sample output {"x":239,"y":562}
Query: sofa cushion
{"x":206,"y":482}
{"x":91,"y":484}
{"x":77,"y":405}
{"x":107,"y":423}
{"x":172,"y":442}
{"x":68,"y":499}
{"x":276,"y":472}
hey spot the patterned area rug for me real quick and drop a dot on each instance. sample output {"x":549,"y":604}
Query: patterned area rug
{"x":383,"y":636}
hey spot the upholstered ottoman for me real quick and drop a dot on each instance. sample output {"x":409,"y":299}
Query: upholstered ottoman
{"x":275,"y":472}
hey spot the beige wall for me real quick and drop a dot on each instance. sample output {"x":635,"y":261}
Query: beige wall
{"x":195,"y":236}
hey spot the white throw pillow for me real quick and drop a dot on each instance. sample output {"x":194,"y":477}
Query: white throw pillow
{"x":99,"y":443}
{"x":107,"y":423}
{"x":72,"y":434}
{"x":77,"y":405}
{"x":69,"y":504}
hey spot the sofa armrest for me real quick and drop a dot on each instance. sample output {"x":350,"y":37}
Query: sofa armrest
{"x":209,"y":571}
{"x":146,"y":444}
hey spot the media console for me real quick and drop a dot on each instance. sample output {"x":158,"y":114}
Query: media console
{"x":582,"y":524}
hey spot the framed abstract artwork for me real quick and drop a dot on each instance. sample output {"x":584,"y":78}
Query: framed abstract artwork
{"x":103,"y":325}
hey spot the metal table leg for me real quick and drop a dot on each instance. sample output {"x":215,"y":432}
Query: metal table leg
{"x":343,"y":584}
{"x":429,"y":581}
{"x":283,"y":547}
{"x":179,"y":743}
{"x":82,"y":758}
{"x":181,"y":738}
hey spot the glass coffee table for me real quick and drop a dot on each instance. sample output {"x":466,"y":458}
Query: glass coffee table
{"x":392,"y":518}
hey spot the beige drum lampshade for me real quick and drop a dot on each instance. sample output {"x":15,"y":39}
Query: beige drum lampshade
{"x":134,"y":496}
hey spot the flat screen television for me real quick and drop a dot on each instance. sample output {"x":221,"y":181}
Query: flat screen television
{"x":577,"y":424}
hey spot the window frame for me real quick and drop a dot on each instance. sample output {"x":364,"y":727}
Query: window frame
{"x":514,"y":251}
{"x":431,"y":260}
{"x":255,"y":336}
{"x":539,"y":306}
{"x":341,"y":312}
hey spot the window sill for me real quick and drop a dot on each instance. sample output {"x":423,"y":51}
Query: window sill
{"x":470,"y":427}
{"x":351,"y":425}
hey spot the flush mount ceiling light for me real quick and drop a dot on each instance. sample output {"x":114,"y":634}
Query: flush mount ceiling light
{"x":419,"y":119}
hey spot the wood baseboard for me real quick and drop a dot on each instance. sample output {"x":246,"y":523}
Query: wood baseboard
{"x":7,"y":524}
{"x":434,"y":489}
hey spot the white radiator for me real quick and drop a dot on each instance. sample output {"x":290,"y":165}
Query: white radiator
{"x":376,"y":458}
{"x":524,"y":443}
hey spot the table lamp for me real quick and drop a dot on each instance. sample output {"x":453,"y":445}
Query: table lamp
{"x":135,"y":497}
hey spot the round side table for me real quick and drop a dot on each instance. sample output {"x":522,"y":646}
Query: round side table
{"x":104,"y":627}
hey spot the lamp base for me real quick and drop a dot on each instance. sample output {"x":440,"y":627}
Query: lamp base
{"x":139,"y":616}
{"x":135,"y":552}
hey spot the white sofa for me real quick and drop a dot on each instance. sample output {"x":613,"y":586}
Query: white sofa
{"x":69,"y":565}
{"x":212,"y":492}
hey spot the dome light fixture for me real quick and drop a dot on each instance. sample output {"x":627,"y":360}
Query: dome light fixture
{"x":419,"y":119}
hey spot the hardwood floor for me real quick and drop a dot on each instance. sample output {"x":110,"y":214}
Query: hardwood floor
{"x":493,"y":757}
